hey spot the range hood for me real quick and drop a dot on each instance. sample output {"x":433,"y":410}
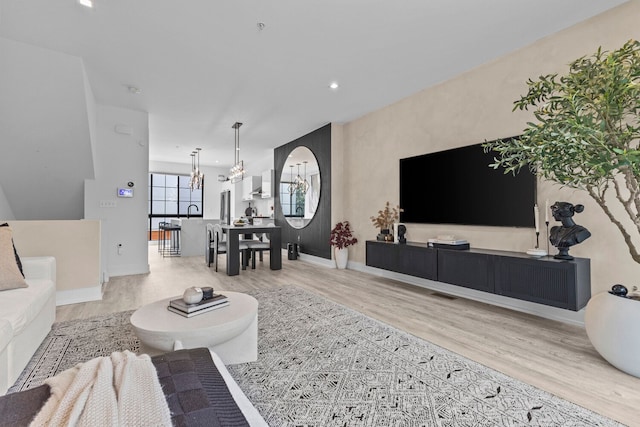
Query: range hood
{"x":256,"y":192}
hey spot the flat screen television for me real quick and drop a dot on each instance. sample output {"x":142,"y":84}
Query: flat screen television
{"x":458,"y":187}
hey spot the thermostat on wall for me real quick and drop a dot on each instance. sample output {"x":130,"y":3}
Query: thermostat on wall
{"x":125,"y":192}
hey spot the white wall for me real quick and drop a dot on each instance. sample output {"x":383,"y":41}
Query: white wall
{"x":91,"y":120}
{"x":44,"y":128}
{"x":121,"y":158}
{"x":474,"y":107}
{"x":5,"y":208}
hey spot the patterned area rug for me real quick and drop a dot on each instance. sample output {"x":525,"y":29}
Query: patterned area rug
{"x":77,"y":341}
{"x":322,"y":364}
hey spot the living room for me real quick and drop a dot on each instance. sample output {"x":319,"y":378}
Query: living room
{"x":474,"y":106}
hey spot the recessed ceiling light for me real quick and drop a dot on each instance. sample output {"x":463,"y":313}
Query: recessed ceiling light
{"x":334,"y":85}
{"x":86,"y":3}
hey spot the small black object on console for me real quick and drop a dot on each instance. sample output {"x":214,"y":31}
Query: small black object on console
{"x":402,"y":230}
{"x":207,"y":293}
{"x":619,"y":290}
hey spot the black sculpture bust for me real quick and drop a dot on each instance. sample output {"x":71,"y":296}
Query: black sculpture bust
{"x":569,"y":234}
{"x":402,"y":230}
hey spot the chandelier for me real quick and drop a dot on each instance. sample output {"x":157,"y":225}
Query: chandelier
{"x":197,"y":177}
{"x":237,"y":171}
{"x":299,"y":184}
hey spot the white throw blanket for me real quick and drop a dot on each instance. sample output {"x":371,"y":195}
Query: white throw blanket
{"x":120,"y":390}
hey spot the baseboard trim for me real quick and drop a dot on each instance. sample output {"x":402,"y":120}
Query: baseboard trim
{"x":317,"y":260}
{"x":75,"y":296}
{"x":128,"y":270}
{"x":540,"y":310}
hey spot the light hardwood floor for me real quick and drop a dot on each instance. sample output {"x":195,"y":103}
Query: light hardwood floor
{"x":550,"y":355}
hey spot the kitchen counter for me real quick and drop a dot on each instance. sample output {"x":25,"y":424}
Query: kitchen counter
{"x":193,"y":237}
{"x":262,"y":220}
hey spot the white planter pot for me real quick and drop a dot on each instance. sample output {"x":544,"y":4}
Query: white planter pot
{"x":612,"y":326}
{"x":342,"y":256}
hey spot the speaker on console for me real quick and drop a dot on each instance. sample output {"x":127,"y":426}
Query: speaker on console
{"x":400,"y":231}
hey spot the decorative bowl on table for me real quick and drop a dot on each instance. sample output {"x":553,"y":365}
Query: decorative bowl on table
{"x":192,"y":295}
{"x":238,"y":223}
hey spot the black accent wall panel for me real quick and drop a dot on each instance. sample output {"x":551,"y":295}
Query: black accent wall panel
{"x":314,"y":238}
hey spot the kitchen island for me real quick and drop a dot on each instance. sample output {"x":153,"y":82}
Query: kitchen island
{"x":193,"y":235}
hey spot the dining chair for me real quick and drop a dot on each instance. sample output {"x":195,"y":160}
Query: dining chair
{"x":220,"y":246}
{"x":162,"y":234}
{"x":259,"y":245}
{"x":210,"y":244}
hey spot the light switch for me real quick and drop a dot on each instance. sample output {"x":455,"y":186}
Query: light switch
{"x":107,"y":203}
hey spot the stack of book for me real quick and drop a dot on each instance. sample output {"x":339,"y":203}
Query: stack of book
{"x":448,"y":243}
{"x":180,"y":307}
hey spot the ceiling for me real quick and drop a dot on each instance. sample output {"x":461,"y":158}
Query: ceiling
{"x":202,"y":65}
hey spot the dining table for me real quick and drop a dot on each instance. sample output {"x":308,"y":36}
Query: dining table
{"x":234,"y":232}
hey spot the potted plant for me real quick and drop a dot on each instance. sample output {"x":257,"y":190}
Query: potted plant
{"x":586,"y":133}
{"x":585,"y":136}
{"x":385,"y":220}
{"x":341,"y":238}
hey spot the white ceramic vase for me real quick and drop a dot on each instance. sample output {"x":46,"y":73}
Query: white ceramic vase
{"x":612,"y":326}
{"x":342,"y":256}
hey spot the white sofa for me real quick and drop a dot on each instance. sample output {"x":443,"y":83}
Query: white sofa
{"x":26,"y":316}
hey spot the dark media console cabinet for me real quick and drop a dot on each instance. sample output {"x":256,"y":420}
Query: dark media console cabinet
{"x":545,"y":280}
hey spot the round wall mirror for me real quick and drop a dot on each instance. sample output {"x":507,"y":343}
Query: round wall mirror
{"x":300,"y":187}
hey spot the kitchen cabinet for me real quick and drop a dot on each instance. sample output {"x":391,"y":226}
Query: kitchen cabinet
{"x":249,"y":185}
{"x":267,"y":184}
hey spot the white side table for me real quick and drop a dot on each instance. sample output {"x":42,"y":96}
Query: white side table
{"x":231,"y":331}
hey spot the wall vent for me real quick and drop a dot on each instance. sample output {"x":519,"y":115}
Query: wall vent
{"x":445,"y":296}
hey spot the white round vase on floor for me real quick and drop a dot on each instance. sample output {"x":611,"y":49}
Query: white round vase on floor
{"x":612,"y":326}
{"x":342,"y":256}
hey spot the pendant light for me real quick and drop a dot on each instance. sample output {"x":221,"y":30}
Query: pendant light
{"x":298,"y":178}
{"x":300,"y":184}
{"x":237,"y":172}
{"x":304,"y":184}
{"x":292,"y":184}
{"x":197,"y":177}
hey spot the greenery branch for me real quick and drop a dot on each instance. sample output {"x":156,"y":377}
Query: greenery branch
{"x":386,"y":217}
{"x":586,"y":132}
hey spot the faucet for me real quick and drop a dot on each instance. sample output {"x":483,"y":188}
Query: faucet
{"x":189,"y":210}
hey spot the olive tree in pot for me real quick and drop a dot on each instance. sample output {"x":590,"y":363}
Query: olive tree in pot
{"x":341,"y":238}
{"x":586,"y":136}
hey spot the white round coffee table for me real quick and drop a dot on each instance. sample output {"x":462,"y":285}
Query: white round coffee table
{"x":231,"y":331}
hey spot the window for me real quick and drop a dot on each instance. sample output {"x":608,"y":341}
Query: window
{"x":292,"y":203}
{"x":170,"y":197}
